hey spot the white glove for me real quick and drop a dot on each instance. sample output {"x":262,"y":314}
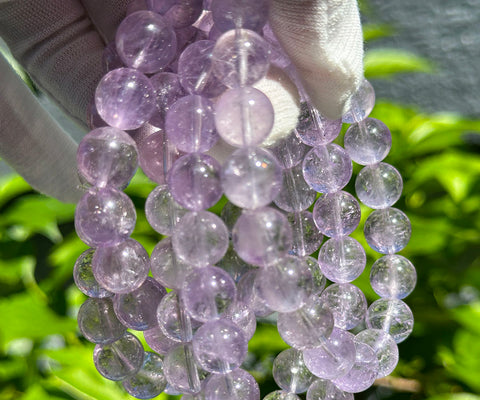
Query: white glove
{"x":60,"y":44}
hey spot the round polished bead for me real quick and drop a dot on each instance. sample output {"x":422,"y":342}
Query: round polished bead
{"x":337,"y":214}
{"x":208,"y":293}
{"x":149,"y":381}
{"x":251,"y":178}
{"x":98,"y":323}
{"x":219,"y":346}
{"x":306,"y":237}
{"x":295,"y":195}
{"x":236,"y":385}
{"x":361,"y":103}
{"x":379,"y":185}
{"x":314,"y":129}
{"x":162,"y":211}
{"x":121,"y":268}
{"x":342,"y":259}
{"x":184,"y":13}
{"x":393,"y":277}
{"x":323,"y":389}
{"x":240,"y":58}
{"x":233,"y":265}
{"x":104,"y":217}
{"x":391,"y":315}
{"x":125,"y":98}
{"x":327,"y":168}
{"x":120,"y":359}
{"x":172,"y":320}
{"x":289,"y":151}
{"x":242,"y":316}
{"x":281,"y":395}
{"x":200,"y":238}
{"x":167,"y":91}
{"x":244,"y":116}
{"x":388,"y":230}
{"x":262,"y":236}
{"x":290,"y":372}
{"x":347,"y":304}
{"x":158,"y":341}
{"x":107,"y":156}
{"x":248,"y":14}
{"x":145,"y":41}
{"x":84,"y":279}
{"x":180,"y":370}
{"x":247,"y":294}
{"x":319,"y":281}
{"x":137,"y":309}
{"x":368,"y":142}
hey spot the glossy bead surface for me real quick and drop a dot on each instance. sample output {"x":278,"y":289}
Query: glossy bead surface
{"x":236,"y":385}
{"x":323,"y":389}
{"x":289,"y":151}
{"x":281,"y":395}
{"x":361,"y":103}
{"x":162,"y":211}
{"x":183,"y":13}
{"x":167,"y":91}
{"x":290,"y":372}
{"x":149,"y":381}
{"x":319,"y":281}
{"x":233,"y":265}
{"x":393,"y":277}
{"x":295,"y":195}
{"x":172,"y":319}
{"x":158,"y":341}
{"x":247,"y":294}
{"x":84,"y":279}
{"x":242,"y":316}
{"x":314,"y":129}
{"x":393,"y":316}
{"x":180,"y":370}
{"x":231,"y":14}
{"x":306,"y":238}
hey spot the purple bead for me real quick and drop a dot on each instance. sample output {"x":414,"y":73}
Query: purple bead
{"x":305,"y":235}
{"x":160,"y":6}
{"x":194,"y":181}
{"x":195,"y":70}
{"x":167,"y":91}
{"x":84,"y":279}
{"x":232,"y":264}
{"x":361,"y":103}
{"x":314,"y":129}
{"x":184,"y":13}
{"x":110,"y":58}
{"x":94,"y":120}
{"x":149,"y":381}
{"x":247,"y":294}
{"x":326,"y":390}
{"x":290,"y":372}
{"x":158,"y":341}
{"x":145,"y":41}
{"x":393,"y":277}
{"x":281,"y":395}
{"x":327,"y":168}
{"x":172,"y":319}
{"x":104,"y":217}
{"x":125,"y":98}
{"x":289,"y":151}
{"x":236,"y":385}
{"x":180,"y":370}
{"x":242,"y":316}
{"x":392,"y":316}
{"x":319,"y":281}
{"x":247,"y":14}
{"x":107,"y":156}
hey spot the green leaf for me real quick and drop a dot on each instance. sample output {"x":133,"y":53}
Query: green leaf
{"x":376,"y":31}
{"x":12,"y":186}
{"x":13,"y":270}
{"x":384,"y":63}
{"x":468,"y":316}
{"x":455,"y":396}
{"x":36,"y":392}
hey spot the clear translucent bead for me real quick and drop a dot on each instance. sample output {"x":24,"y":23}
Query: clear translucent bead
{"x":327,"y":168}
{"x":172,"y":319}
{"x":392,"y":316}
{"x":233,"y":265}
{"x":307,"y":327}
{"x":162,"y":211}
{"x":368,"y":142}
{"x":104,"y":217}
{"x":290,"y":372}
{"x":107,"y":156}
{"x":120,"y":359}
{"x":98,"y":323}
{"x":146,"y":41}
{"x":121,"y":268}
{"x":167,"y":91}
{"x":231,"y":14}
{"x":242,"y":316}
{"x":393,"y":277}
{"x":84,"y":279}
{"x":388,"y":230}
{"x":319,"y":281}
{"x":219,"y":346}
{"x":295,"y":194}
{"x":285,"y":285}
{"x":184,"y":13}
{"x":347,"y":304}
{"x":180,"y":370}
{"x":236,"y":385}
{"x":137,"y":309}
{"x":262,"y":236}
{"x":314,"y":129}
{"x":200,"y":238}
{"x":305,"y":235}
{"x":149,"y":381}
{"x":361,"y":103}
{"x":326,"y":390}
{"x":384,"y":347}
{"x":289,"y":151}
{"x":342,"y":259}
{"x":379,"y":185}
{"x":158,"y":341}
{"x":334,"y":358}
{"x":244,"y":116}
{"x":247,"y":294}
{"x":281,"y":395}
{"x":194,"y":181}
{"x":208,"y":292}
{"x":251,"y":178}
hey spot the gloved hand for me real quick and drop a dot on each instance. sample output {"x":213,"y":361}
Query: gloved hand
{"x":60,"y":44}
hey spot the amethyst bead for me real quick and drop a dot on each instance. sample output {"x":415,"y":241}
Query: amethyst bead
{"x":393,"y":277}
{"x":236,"y":385}
{"x":84,"y":279}
{"x":314,"y":129}
{"x":149,"y":381}
{"x":361,"y":103}
{"x":290,"y":372}
{"x":158,"y":341}
{"x":247,"y":14}
{"x":167,"y":91}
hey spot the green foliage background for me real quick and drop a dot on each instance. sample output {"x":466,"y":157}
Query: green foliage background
{"x":42,"y":356}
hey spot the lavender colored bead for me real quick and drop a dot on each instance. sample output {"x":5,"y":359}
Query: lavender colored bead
{"x":107,"y":156}
{"x":236,"y":385}
{"x":200,"y":238}
{"x":190,"y":124}
{"x":393,"y":277}
{"x":98,"y":323}
{"x":337,"y":214}
{"x":262,"y":236}
{"x":244,"y":116}
{"x":121,"y":268}
{"x":240,"y":58}
{"x":247,"y":294}
{"x":137,"y":309}
{"x":167,"y":91}
{"x":94,"y":120}
{"x":384,"y":347}
{"x":242,"y":316}
{"x":125,"y":98}
{"x":281,"y":395}
{"x":392,"y":316}
{"x":325,"y":390}
{"x":289,"y":151}
{"x":160,"y":6}
{"x":194,"y":181}
{"x":347,"y":304}
{"x":146,"y":41}
{"x":251,"y":178}
{"x":84,"y":279}
{"x":120,"y":359}
{"x":184,"y":13}
{"x":172,"y":319}
{"x":195,"y":70}
{"x":388,"y":230}
{"x":342,"y":259}
{"x":379,"y":185}
{"x":158,"y":341}
{"x":248,"y":14}
{"x":296,"y":195}
{"x":314,"y":129}
{"x":149,"y":381}
{"x":361,"y":103}
{"x":219,"y":346}
{"x":327,"y":168}
{"x":290,"y":372}
{"x":180,"y":370}
{"x":368,"y":142}
{"x":110,"y":58}
{"x":208,"y":292}
{"x":233,"y":265}
{"x":334,"y":358}
{"x":305,"y":235}
{"x":319,"y":281}
{"x":104,"y":217}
